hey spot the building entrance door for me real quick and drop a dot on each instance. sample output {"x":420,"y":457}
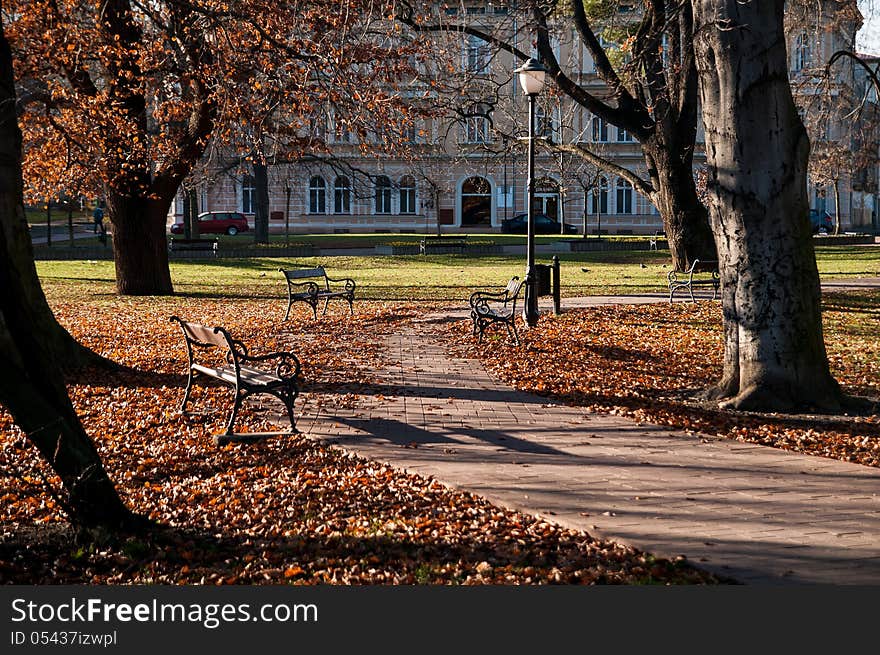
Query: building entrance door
{"x":547,"y":198}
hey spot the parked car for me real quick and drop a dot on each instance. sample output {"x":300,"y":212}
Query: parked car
{"x":821,"y":220}
{"x":230,"y":223}
{"x":543,"y":225}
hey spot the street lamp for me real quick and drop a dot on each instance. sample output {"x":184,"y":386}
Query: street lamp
{"x":531,"y":79}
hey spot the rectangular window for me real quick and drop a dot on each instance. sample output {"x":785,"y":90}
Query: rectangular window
{"x":599,"y":201}
{"x":624,"y":200}
{"x":248,"y":198}
{"x":505,"y":196}
{"x":317,"y":201}
{"x":476,"y":129}
{"x":600,"y":130}
{"x":383,"y":199}
{"x":477,"y":55}
{"x":342,"y":198}
{"x":407,"y":201}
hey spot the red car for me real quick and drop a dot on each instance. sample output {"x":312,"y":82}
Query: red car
{"x":230,"y":223}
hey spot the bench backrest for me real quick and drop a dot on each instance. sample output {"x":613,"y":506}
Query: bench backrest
{"x":203,"y":336}
{"x":513,"y":287}
{"x":305,"y":273}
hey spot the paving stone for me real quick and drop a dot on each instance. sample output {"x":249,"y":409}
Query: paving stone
{"x":761,"y":515}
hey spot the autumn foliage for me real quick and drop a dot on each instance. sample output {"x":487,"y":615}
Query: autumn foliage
{"x":122,"y":99}
{"x":284,"y":510}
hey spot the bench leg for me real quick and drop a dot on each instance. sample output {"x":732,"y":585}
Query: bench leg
{"x":287,"y":314}
{"x":287,"y":397}
{"x":326,"y":304}
{"x":189,"y":384}
{"x":481,"y":327}
{"x":235,"y":407}
{"x":511,"y":328}
{"x":350,"y":306}
{"x":691,"y":291}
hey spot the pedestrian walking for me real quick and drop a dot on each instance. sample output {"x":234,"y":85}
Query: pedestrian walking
{"x":98,"y":218}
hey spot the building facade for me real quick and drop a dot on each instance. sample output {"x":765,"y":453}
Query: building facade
{"x":465,"y":170}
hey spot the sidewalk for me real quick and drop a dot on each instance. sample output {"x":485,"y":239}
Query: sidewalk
{"x":757,"y":514}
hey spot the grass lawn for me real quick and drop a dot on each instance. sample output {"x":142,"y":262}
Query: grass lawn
{"x":436,"y":277}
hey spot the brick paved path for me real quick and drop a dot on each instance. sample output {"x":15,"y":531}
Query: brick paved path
{"x":754,"y":513}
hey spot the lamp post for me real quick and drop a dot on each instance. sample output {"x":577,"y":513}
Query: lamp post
{"x":531,"y":79}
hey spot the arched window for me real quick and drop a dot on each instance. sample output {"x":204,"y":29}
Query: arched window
{"x":476,"y":201}
{"x":248,"y":194}
{"x":317,"y":195}
{"x":407,"y":195}
{"x":624,"y":193}
{"x":383,"y":195}
{"x":599,"y":197}
{"x":342,"y":195}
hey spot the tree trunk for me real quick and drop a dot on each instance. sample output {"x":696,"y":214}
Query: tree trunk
{"x":685,"y":218}
{"x":187,"y":216}
{"x":139,"y":245}
{"x":261,"y":204}
{"x":757,"y":149}
{"x":837,"y":206}
{"x":18,"y":251}
{"x":31,"y":387}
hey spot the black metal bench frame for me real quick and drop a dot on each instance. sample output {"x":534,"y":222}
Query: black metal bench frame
{"x":493,"y":307}
{"x":303,"y":287}
{"x":242,"y":372}
{"x":192,"y":245}
{"x":686,"y":280}
{"x":442,"y":242}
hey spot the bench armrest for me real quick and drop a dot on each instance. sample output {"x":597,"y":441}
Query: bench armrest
{"x":287,"y":366}
{"x":498,"y":296}
{"x":309,"y":286}
{"x":349,"y":283}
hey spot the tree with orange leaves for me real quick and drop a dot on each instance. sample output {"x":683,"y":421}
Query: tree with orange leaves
{"x":123,"y":97}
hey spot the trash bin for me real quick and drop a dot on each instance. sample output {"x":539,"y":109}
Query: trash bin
{"x":542,"y":279}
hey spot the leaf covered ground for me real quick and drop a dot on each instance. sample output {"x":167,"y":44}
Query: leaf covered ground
{"x":649,"y":362}
{"x":284,"y":510}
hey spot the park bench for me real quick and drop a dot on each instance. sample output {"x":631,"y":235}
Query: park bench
{"x":276,"y":374}
{"x":700,"y":274}
{"x":494,"y":307}
{"x":655,"y":239}
{"x":438,"y":243}
{"x":192,"y":245}
{"x":311,"y":285}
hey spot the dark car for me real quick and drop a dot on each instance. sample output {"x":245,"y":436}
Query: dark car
{"x":230,"y":223}
{"x":543,"y":225}
{"x":821,"y":221}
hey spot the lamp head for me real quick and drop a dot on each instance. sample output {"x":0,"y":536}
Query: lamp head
{"x":531,"y":76}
